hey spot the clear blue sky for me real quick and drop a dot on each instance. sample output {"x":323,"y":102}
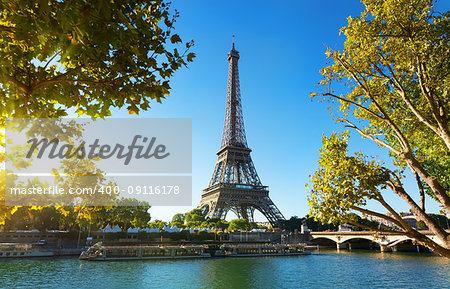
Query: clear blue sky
{"x":282,"y":45}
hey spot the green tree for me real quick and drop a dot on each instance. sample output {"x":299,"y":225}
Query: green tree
{"x":129,"y":213}
{"x":238,"y":225}
{"x":178,"y":220}
{"x":394,"y":72}
{"x":47,"y":218}
{"x":157,"y":224}
{"x":194,"y":218}
{"x":56,"y":55}
{"x":222,"y":225}
{"x":19,"y":219}
{"x":87,"y":57}
{"x":293,"y":223}
{"x":317,"y":226}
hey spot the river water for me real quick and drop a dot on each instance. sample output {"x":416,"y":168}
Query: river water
{"x":320,"y":270}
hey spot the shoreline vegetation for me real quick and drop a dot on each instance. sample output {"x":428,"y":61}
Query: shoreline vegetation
{"x":64,"y":241}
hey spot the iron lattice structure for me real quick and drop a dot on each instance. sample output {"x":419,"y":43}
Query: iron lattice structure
{"x":235,"y":185}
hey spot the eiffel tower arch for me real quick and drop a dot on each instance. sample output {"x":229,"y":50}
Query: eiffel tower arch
{"x":235,"y":185}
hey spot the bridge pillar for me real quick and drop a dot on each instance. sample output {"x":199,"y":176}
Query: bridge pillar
{"x":384,"y":248}
{"x":340,"y":246}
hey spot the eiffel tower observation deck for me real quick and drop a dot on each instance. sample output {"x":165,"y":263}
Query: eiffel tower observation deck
{"x":235,"y":185}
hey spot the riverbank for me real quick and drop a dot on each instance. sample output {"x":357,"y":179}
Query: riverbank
{"x":71,"y":243}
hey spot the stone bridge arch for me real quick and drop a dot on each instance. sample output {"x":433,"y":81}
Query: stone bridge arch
{"x":349,"y":238}
{"x":324,"y":241}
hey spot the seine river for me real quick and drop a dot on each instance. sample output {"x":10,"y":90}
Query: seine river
{"x":320,"y":270}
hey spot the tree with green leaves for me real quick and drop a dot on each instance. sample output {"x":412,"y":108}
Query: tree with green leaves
{"x":194,"y":218}
{"x":58,"y":55}
{"x":178,"y":220}
{"x":317,"y":226}
{"x":213,"y":223}
{"x":157,"y":224}
{"x":293,"y":224}
{"x":130,"y":213}
{"x":222,"y":225}
{"x":391,"y":82}
{"x":85,"y":57}
{"x":239,"y":225}
{"x":134,"y":214}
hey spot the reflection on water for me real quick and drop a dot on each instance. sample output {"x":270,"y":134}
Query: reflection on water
{"x":320,"y":270}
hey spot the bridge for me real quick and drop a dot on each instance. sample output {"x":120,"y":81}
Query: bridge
{"x":388,"y":241}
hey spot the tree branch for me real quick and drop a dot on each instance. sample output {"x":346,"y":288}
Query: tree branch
{"x":372,"y":229}
{"x":376,"y":214}
{"x":48,"y":62}
{"x":431,"y":224}
{"x":432,"y":181}
{"x":382,"y":143}
{"x":444,"y":132}
{"x":400,"y":90}
{"x":387,"y":119}
{"x":404,"y":225}
{"x":407,"y":155}
{"x":22,"y":87}
{"x":356,"y":104}
{"x":421,"y":190}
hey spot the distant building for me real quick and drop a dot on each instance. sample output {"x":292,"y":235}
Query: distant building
{"x":409,"y":218}
{"x":304,"y":229}
{"x":380,"y":221}
{"x":345,"y":228}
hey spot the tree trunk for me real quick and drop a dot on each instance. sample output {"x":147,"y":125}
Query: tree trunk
{"x":421,"y":191}
{"x":425,"y":241}
{"x":440,"y":233}
{"x":435,"y":186}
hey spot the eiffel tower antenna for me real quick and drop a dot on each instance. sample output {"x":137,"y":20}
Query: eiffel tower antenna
{"x":235,"y":186}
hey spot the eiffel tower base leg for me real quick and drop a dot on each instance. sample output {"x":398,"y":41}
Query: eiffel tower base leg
{"x":217,"y":205}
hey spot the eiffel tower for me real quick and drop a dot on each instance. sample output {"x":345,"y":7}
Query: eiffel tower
{"x":235,"y":185}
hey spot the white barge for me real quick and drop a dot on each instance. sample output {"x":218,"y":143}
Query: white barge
{"x":103,"y":252}
{"x":99,"y":252}
{"x":23,"y":250}
{"x":251,"y":250}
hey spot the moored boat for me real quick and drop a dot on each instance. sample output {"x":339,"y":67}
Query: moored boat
{"x":255,"y":250}
{"x":23,"y":250}
{"x":100,"y":252}
{"x":105,"y":252}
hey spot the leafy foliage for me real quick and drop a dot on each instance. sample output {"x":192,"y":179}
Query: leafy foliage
{"x":238,"y":225}
{"x":194,"y":218}
{"x":293,"y":224}
{"x":72,"y":218}
{"x":157,"y":224}
{"x":343,"y":182}
{"x":178,"y":220}
{"x":57,"y":55}
{"x":394,"y":69}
